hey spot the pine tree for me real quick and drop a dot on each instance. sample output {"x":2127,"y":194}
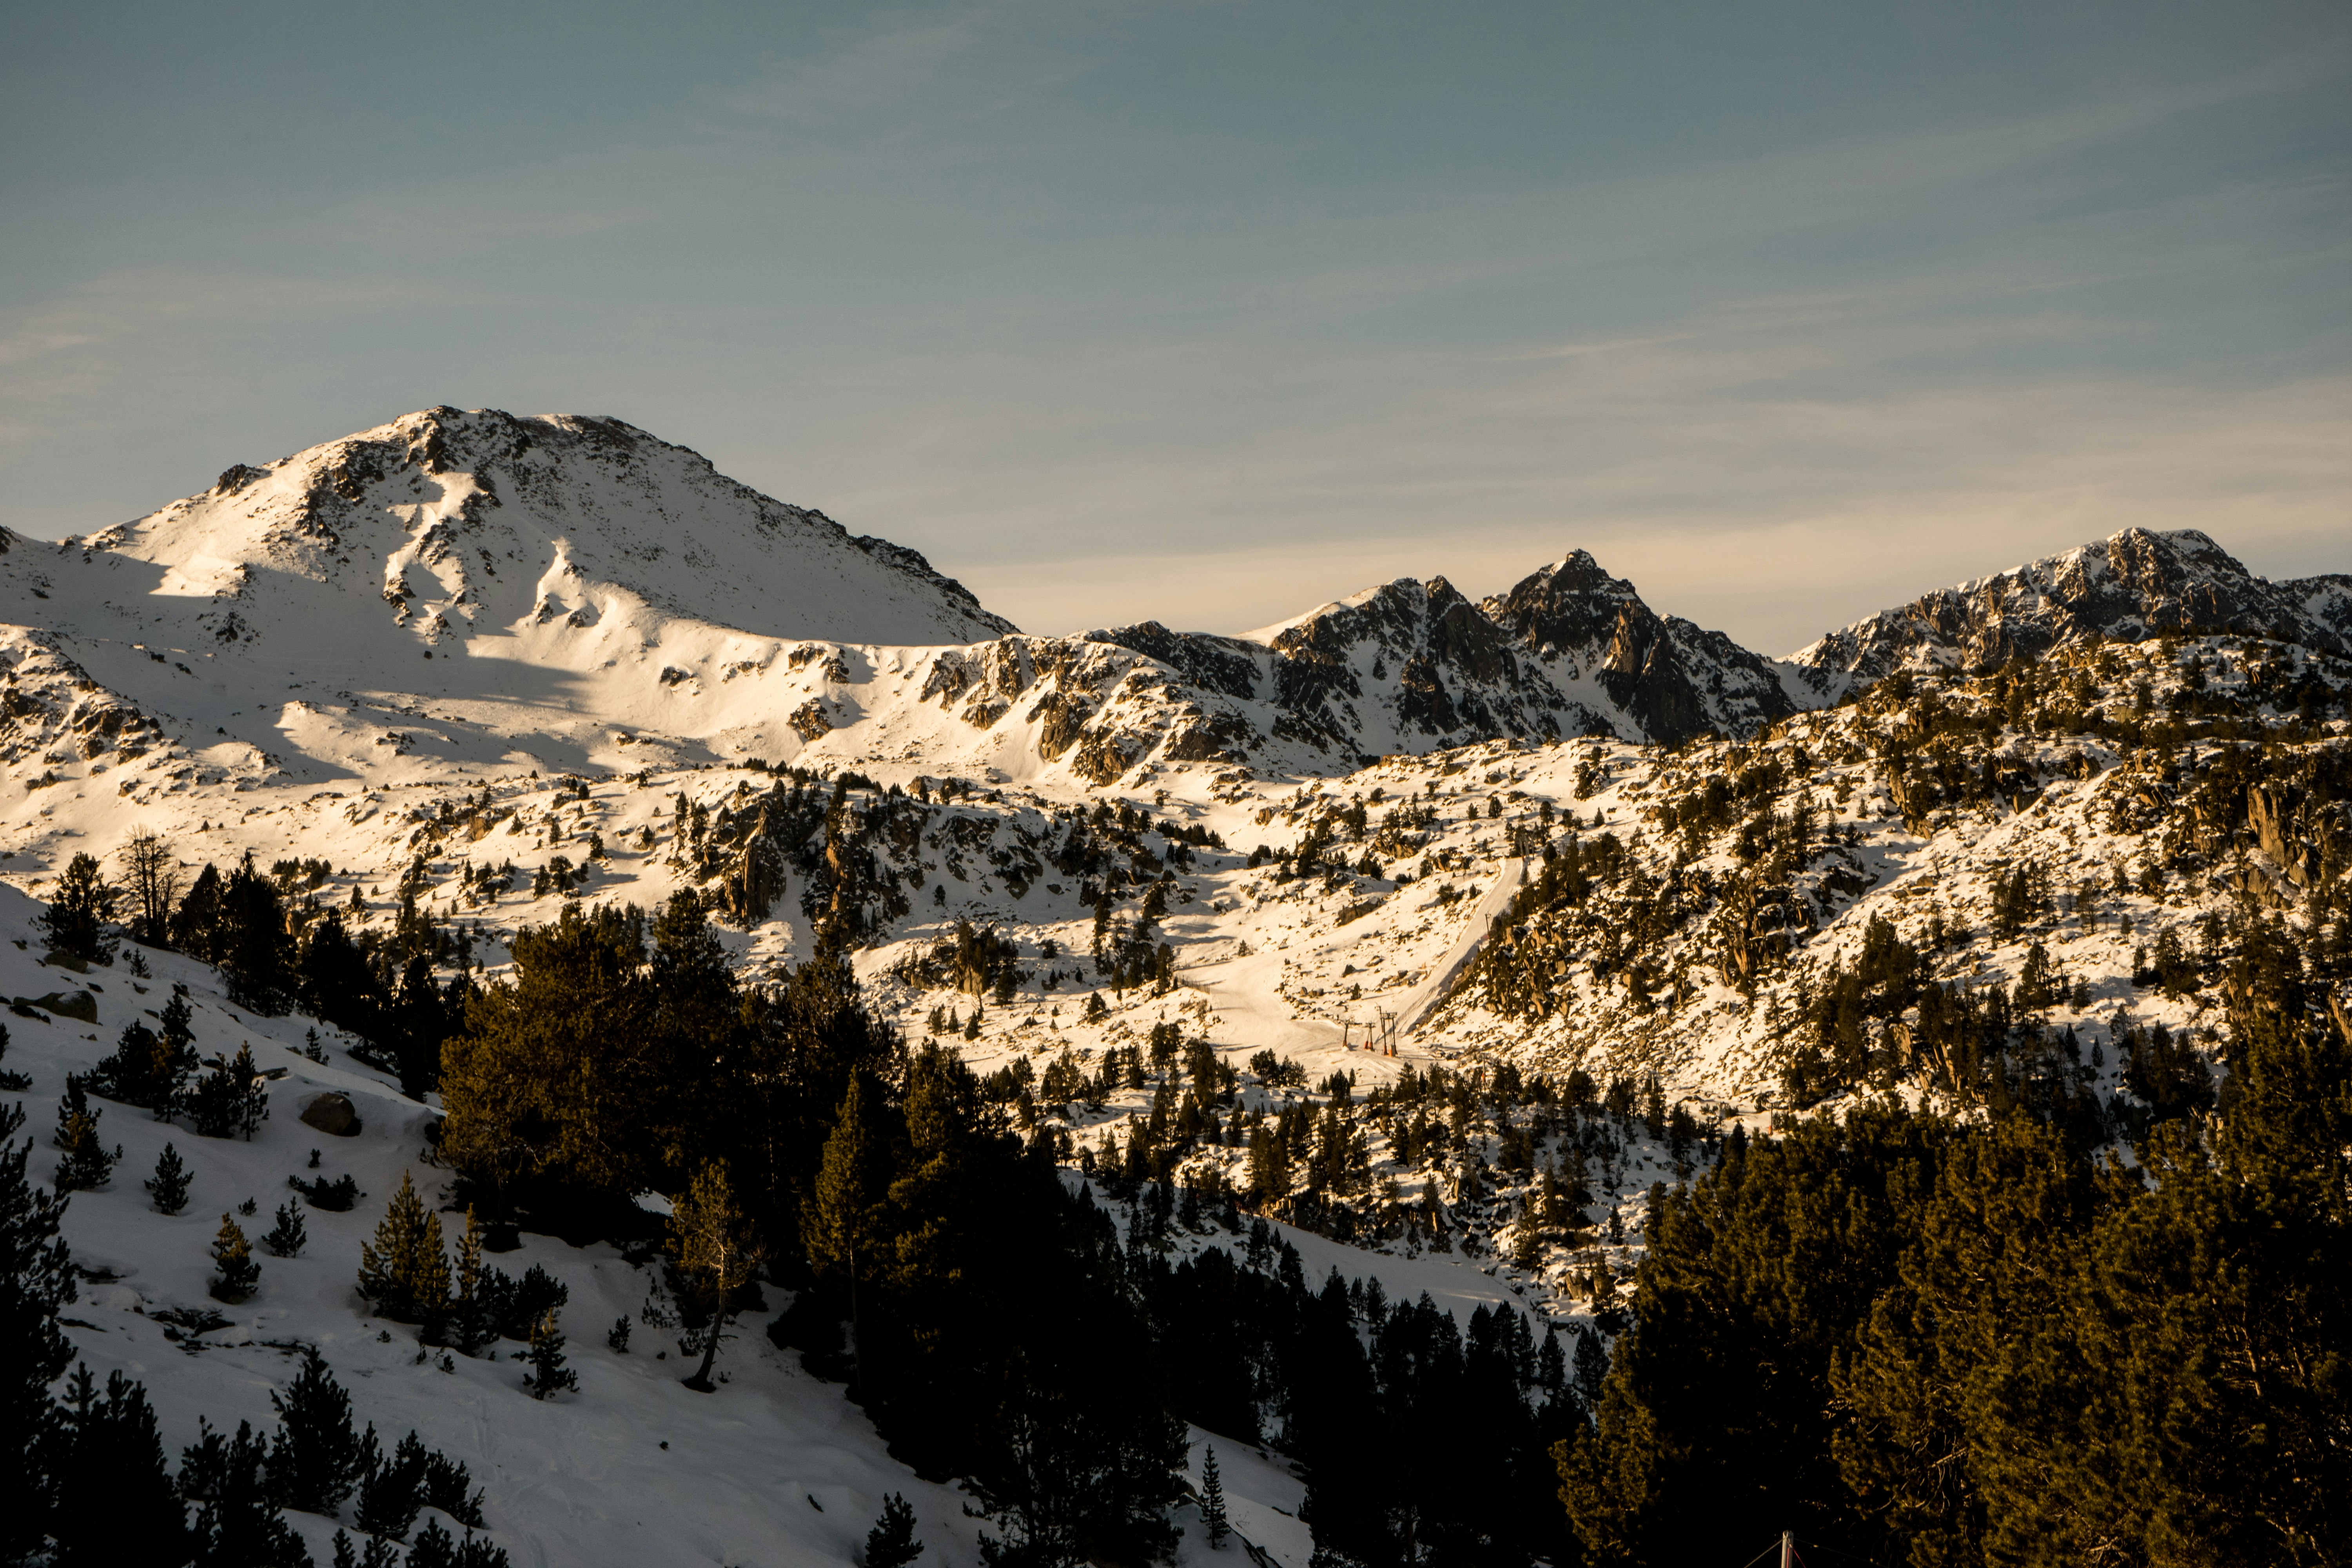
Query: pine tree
{"x":238,"y":1526}
{"x":392,"y":1491}
{"x":253,"y":1095}
{"x":315,"y":1460}
{"x":445,"y":1487}
{"x":1213,"y":1504}
{"x":216,"y":1105}
{"x":36,"y":1281}
{"x":74,"y":1103}
{"x":233,"y":1259}
{"x":560,"y":1071}
{"x":252,"y":947}
{"x":374,"y":1554}
{"x":435,"y":1548}
{"x":1592,"y":1364}
{"x":470,"y":1258}
{"x":287,"y":1237}
{"x":712,"y":1241}
{"x":175,"y":1055}
{"x":404,"y":1270}
{"x":891,"y":1543}
{"x":473,"y":1317}
{"x":133,"y":1073}
{"x":547,"y":1373}
{"x":80,"y":911}
{"x":170,"y":1183}
{"x":843,"y":1216}
{"x":87,"y":1164}
{"x":114,"y":1501}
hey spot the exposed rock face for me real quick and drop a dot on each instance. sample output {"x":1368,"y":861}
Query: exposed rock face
{"x":1410,"y":665}
{"x":2134,"y":584}
{"x":1668,"y":678}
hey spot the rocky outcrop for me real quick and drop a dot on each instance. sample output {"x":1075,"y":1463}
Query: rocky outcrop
{"x":2134,"y":584}
{"x":1413,"y":666}
{"x":1663,"y":679}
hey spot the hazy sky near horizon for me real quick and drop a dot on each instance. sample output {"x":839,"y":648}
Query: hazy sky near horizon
{"x":1211,"y":312}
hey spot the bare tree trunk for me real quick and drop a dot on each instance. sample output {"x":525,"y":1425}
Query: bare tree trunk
{"x":700,"y":1382}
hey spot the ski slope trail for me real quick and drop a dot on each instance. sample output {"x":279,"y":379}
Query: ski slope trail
{"x":1421,"y":1001}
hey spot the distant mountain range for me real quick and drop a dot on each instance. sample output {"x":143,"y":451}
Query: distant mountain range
{"x":594,"y":596}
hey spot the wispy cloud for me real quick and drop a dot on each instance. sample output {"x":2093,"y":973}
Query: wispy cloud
{"x":899,"y":277}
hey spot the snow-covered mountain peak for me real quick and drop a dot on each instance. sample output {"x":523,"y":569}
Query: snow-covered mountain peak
{"x":2137,"y":582}
{"x":463,"y":521}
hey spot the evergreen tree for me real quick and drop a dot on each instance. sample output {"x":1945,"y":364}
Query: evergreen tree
{"x":196,"y":924}
{"x":435,"y":1548}
{"x":86,"y":1163}
{"x":231,"y":1098}
{"x":392,"y":1491}
{"x":422,"y":1021}
{"x":252,"y":1097}
{"x":139,"y":1070}
{"x":472,"y":1320}
{"x":170,"y":1183}
{"x":233,"y":1261}
{"x":1213,"y":1504}
{"x":404,"y":1270}
{"x":891,"y":1543}
{"x":314,"y":1461}
{"x":252,"y":949}
{"x":445,"y":1487}
{"x":547,"y":1373}
{"x":375,"y":1553}
{"x":334,"y":981}
{"x":1592,"y":1364}
{"x":81,"y":908}
{"x":114,"y":1500}
{"x":712,"y":1241}
{"x":846,"y":1213}
{"x":176,"y":1053}
{"x":560,"y":1076}
{"x":286,"y":1237}
{"x":238,"y":1526}
{"x":37,"y":1282}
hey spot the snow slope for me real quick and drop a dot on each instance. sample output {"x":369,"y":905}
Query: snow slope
{"x":773,"y":1469}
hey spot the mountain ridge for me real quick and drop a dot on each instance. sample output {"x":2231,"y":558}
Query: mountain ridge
{"x":2135,"y":583}
{"x":598,"y":597}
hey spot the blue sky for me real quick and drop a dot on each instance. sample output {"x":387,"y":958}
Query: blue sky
{"x":1210,"y":313}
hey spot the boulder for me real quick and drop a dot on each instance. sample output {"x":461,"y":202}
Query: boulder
{"x":331,"y":1114}
{"x":79,"y":1005}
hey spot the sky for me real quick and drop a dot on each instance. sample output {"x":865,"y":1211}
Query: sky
{"x":1209,"y":314}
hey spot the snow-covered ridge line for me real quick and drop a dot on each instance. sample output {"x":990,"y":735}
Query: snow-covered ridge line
{"x":2134,"y":584}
